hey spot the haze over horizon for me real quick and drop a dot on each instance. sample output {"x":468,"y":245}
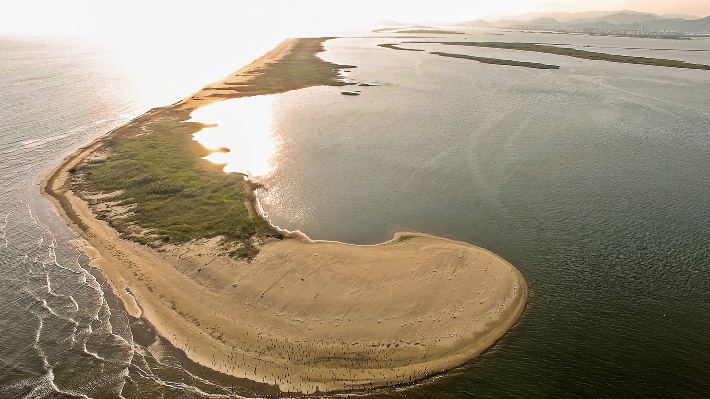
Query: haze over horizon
{"x":164,"y":44}
{"x":110,"y":21}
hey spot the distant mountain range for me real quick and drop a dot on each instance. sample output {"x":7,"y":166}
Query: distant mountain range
{"x":601,"y":19}
{"x":571,"y":16}
{"x":389,"y":22}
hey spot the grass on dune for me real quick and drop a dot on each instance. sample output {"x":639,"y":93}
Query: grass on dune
{"x":298,"y":69}
{"x":174,"y":195}
{"x":154,"y":171}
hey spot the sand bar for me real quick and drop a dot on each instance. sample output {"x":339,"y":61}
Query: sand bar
{"x":306,"y":316}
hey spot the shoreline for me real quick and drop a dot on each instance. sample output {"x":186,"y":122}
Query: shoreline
{"x":146,"y":335}
{"x":162,"y":285}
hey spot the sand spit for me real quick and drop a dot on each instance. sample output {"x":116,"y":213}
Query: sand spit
{"x":307,"y":316}
{"x":238,"y":78}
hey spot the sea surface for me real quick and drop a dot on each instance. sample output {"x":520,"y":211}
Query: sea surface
{"x":591,"y":179}
{"x":60,"y":335}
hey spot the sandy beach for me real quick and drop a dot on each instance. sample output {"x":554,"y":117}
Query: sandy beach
{"x":307,"y":316}
{"x":241,"y":77}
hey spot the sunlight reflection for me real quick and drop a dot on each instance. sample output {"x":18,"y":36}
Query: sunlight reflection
{"x":244,"y":126}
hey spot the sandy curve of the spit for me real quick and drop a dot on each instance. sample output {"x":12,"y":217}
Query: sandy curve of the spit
{"x":313,"y":315}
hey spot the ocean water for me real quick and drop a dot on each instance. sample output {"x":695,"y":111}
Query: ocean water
{"x":591,"y":179}
{"x":60,"y":336}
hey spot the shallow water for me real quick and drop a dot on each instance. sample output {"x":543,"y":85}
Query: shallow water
{"x":59,"y":338}
{"x":591,"y":179}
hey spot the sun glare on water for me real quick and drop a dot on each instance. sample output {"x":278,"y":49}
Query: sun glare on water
{"x":244,"y":126}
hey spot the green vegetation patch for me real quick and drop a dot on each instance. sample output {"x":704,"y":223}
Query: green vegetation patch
{"x":154,"y":186}
{"x":430,"y":31}
{"x":168,"y":192}
{"x":484,"y":60}
{"x":299,"y":69}
{"x":396,"y":47}
{"x":497,"y":61}
{"x":588,"y":55}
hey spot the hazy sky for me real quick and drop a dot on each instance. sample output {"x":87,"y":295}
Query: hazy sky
{"x":173,"y":47}
{"x":125,"y":17}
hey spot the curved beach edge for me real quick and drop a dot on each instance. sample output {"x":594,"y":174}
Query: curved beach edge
{"x":163,"y":287}
{"x":115,"y":257}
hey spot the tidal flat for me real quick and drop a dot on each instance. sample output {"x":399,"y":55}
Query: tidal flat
{"x":583,"y":54}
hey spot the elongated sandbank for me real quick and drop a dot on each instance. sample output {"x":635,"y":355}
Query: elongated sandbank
{"x":308,"y":316}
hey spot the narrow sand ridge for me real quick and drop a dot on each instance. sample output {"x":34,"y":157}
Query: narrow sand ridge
{"x":307,"y":316}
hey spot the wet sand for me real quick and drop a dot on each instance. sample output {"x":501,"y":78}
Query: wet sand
{"x":305,"y":316}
